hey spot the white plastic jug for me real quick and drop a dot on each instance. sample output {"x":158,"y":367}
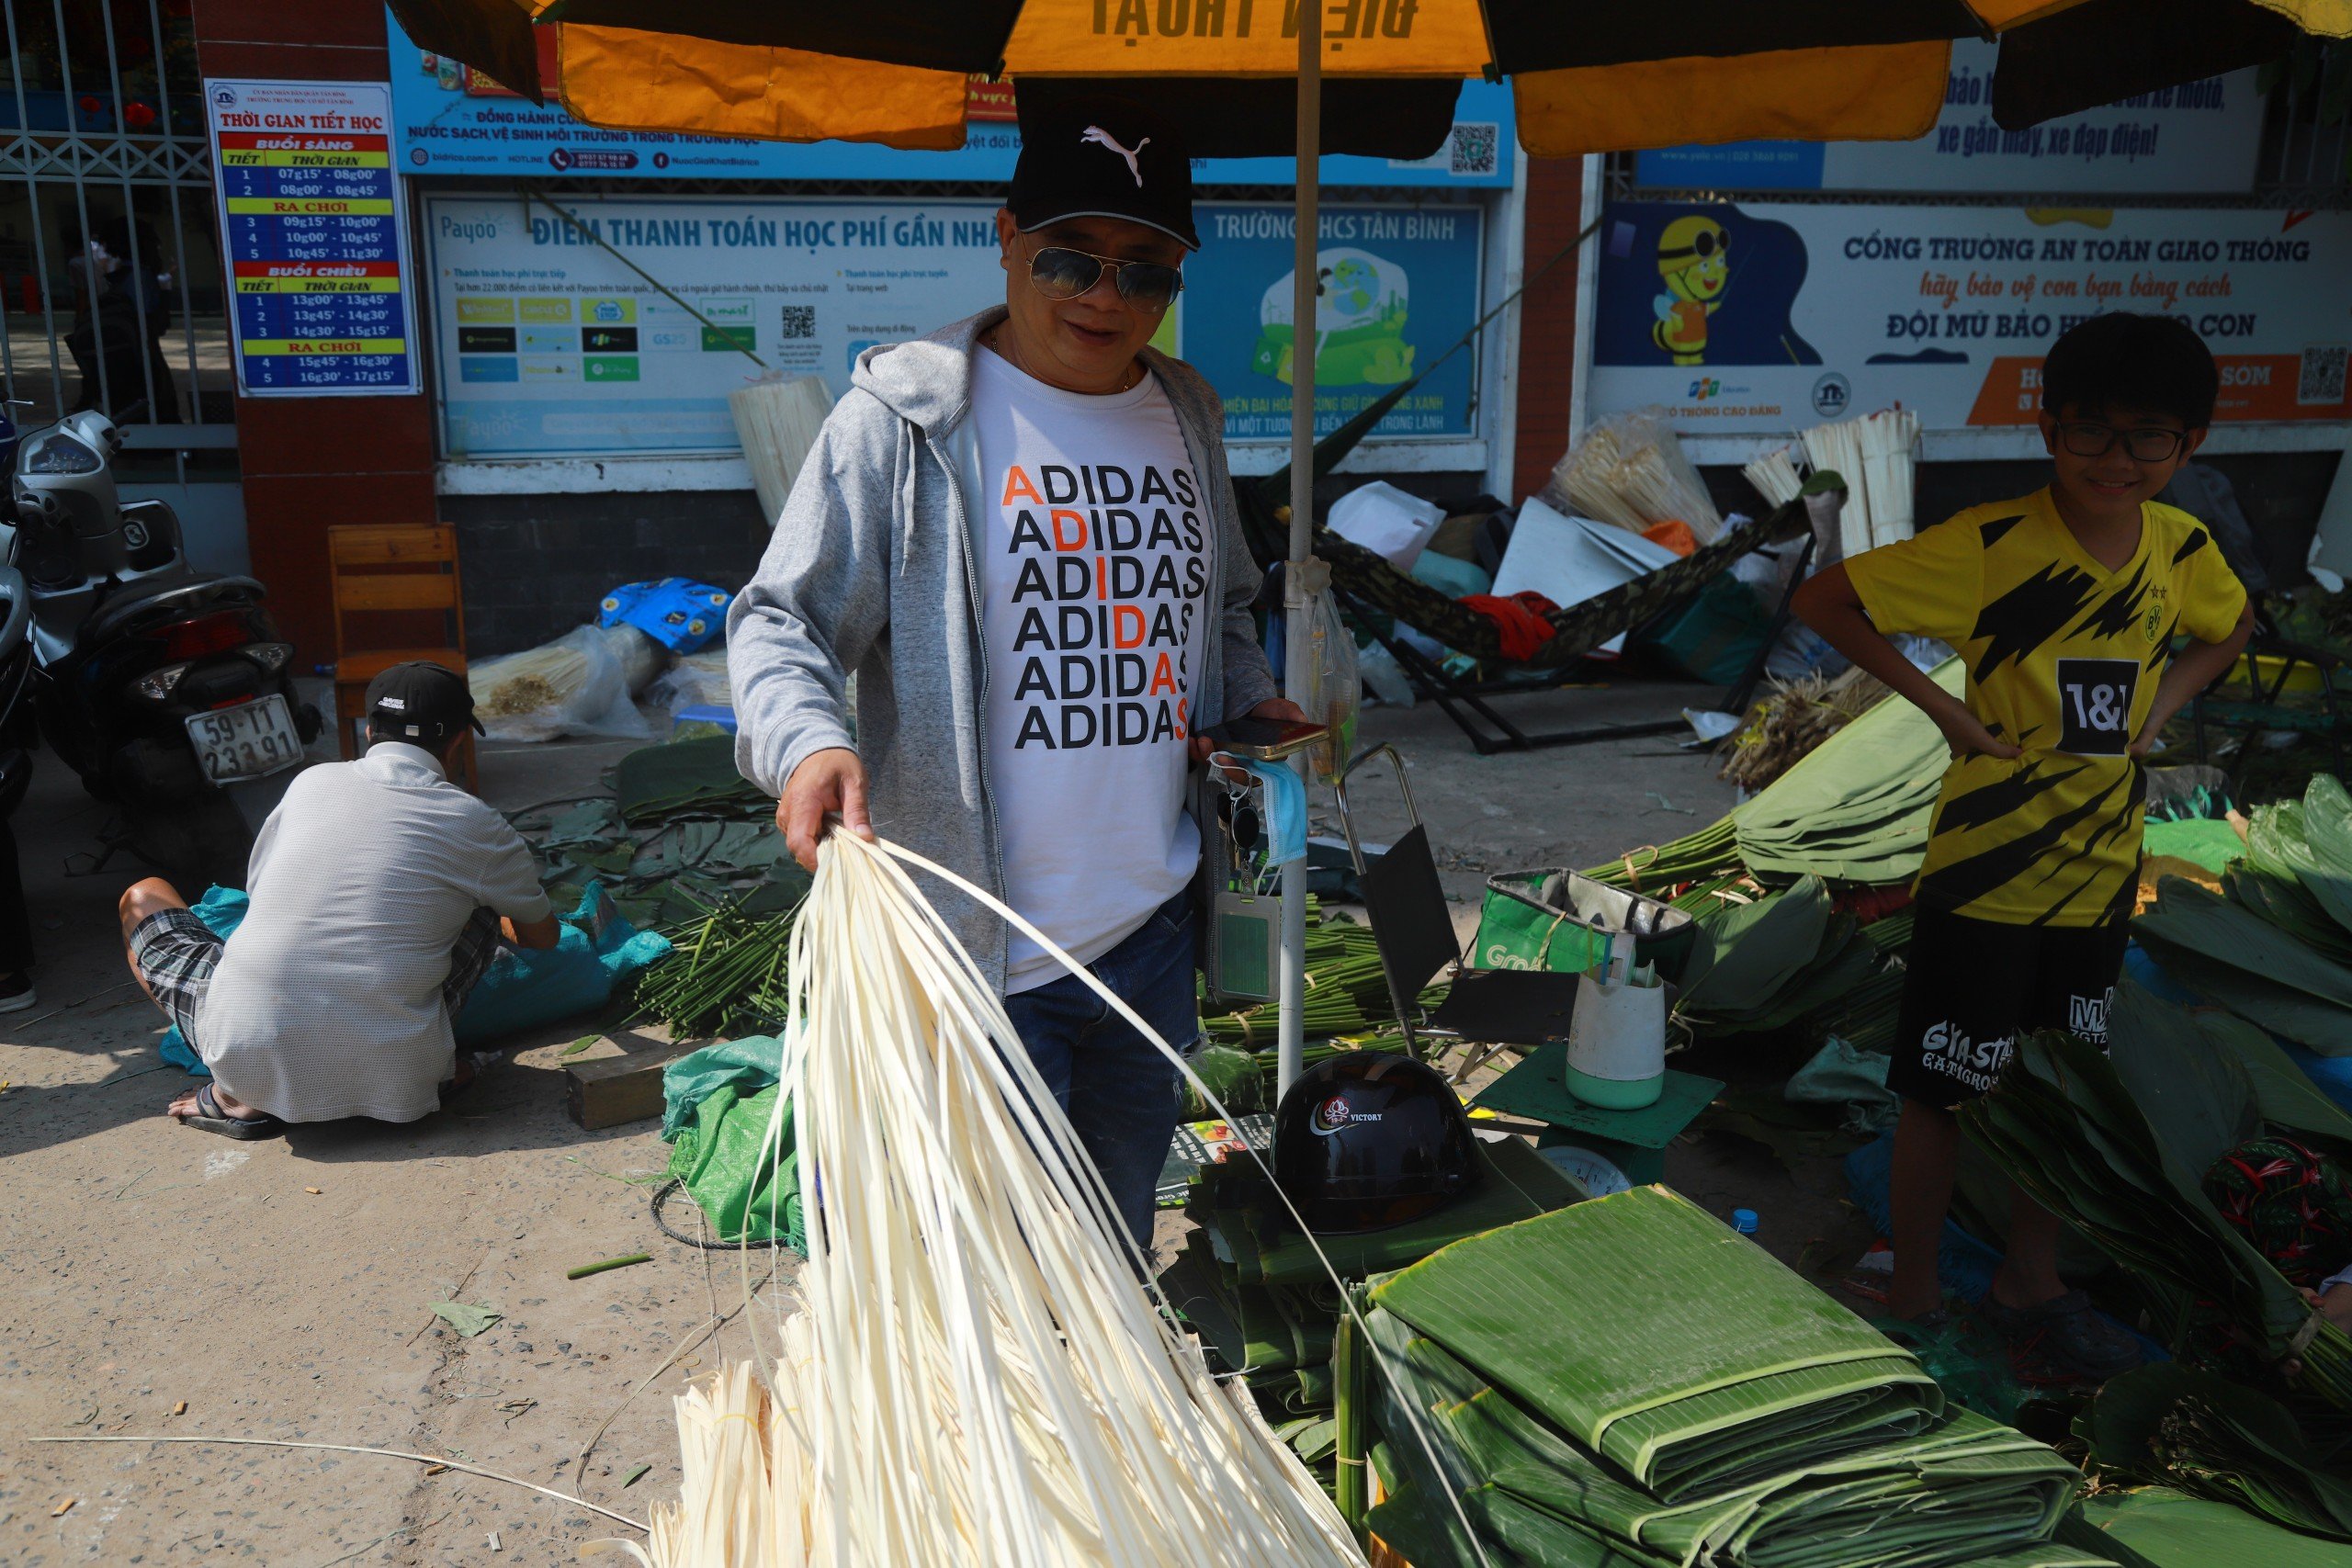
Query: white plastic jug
{"x":1617,"y":1034}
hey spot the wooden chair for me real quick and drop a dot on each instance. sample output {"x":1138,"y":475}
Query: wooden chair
{"x":408,"y":570}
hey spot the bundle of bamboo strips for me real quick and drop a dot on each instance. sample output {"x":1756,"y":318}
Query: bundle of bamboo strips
{"x":1775,"y":475}
{"x":1630,"y":471}
{"x":1874,"y":455}
{"x":977,"y":1373}
{"x":777,"y":422}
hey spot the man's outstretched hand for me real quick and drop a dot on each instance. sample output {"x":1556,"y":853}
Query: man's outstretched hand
{"x":829,"y":780}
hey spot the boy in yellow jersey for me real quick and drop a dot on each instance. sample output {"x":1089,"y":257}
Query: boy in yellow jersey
{"x":2064,"y":605}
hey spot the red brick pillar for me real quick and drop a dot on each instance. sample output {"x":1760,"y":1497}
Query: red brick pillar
{"x":1547,"y":321}
{"x":310,"y":463}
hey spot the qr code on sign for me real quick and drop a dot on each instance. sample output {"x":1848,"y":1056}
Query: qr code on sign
{"x":1473,"y":150}
{"x":799,"y":320}
{"x":2321,"y":379}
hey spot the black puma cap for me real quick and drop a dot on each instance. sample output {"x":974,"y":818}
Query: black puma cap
{"x":1100,"y":157}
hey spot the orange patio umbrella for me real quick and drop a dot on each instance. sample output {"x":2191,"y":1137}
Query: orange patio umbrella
{"x":1299,"y":77}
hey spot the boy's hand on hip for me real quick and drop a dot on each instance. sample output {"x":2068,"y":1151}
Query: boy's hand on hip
{"x":1967,"y":734}
{"x":830,"y":781}
{"x":2144,"y":742}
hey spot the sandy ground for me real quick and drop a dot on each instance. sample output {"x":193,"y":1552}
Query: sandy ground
{"x":282,"y":1290}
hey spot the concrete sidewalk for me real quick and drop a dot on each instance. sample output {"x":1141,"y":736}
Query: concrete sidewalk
{"x":143,"y":1264}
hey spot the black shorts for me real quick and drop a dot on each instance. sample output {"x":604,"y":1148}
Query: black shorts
{"x":1973,"y":985}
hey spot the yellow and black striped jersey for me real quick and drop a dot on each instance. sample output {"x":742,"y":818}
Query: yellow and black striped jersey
{"x":2062,"y":660}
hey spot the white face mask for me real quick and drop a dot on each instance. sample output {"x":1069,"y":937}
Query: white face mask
{"x":101,"y":257}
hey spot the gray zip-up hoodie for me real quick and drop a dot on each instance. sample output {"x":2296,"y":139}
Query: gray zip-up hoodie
{"x":873,"y":569}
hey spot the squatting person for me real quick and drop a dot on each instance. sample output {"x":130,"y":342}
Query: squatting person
{"x":379,"y":892}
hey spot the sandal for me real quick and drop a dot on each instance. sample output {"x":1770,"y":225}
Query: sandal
{"x":2062,"y":1339}
{"x":210,"y":1118}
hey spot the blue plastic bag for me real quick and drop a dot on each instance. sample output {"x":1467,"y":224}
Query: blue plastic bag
{"x":598,"y":949}
{"x":676,"y":612}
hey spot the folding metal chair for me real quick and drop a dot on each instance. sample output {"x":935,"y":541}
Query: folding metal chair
{"x":1486,"y":1010}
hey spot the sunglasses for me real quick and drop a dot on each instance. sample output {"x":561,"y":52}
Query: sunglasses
{"x":1704,"y":246}
{"x":1059,"y":273}
{"x":2146,"y":444}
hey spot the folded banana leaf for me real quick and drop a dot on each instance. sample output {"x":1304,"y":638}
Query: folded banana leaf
{"x":1856,"y":807}
{"x":2246,"y":964}
{"x":1957,"y":1492}
{"x":2323,"y":865}
{"x":2200,"y":1101}
{"x":1739,"y":1364}
{"x":2212,"y":1438}
{"x":2166,"y":1528}
{"x":2287,"y":904}
{"x":2063,"y":1125}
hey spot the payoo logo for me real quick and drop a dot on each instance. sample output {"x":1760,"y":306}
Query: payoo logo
{"x":1975,"y":1063}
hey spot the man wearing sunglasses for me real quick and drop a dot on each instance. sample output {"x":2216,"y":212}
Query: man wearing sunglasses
{"x":1019,"y":533}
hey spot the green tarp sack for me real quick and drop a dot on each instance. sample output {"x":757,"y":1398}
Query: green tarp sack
{"x":1557,"y":919}
{"x":716,"y":1106}
{"x":1714,"y":638}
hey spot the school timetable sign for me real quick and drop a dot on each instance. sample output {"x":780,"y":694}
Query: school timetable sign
{"x":314,"y":228}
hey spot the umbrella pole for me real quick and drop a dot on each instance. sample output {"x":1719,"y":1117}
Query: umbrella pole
{"x":1289,"y":1038}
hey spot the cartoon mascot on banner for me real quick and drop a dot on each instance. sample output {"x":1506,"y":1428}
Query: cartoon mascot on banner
{"x":1693,"y":267}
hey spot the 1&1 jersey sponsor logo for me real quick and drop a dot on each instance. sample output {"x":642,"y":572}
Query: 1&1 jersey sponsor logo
{"x":2094,"y":705}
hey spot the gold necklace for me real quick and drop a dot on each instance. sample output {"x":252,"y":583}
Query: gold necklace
{"x":1001,"y":342}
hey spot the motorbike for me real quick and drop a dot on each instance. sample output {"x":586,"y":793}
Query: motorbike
{"x":167,"y":690}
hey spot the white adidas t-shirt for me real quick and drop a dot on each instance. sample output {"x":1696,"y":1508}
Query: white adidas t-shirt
{"x":1093,"y":602}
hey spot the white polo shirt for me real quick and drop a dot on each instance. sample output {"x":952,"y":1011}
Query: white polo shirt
{"x":327,"y":1000}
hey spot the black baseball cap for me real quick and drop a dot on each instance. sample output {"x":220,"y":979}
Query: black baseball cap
{"x":1095,"y":155}
{"x":421,"y":702}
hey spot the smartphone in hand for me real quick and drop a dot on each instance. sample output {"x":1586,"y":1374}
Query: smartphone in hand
{"x":1266,"y":740}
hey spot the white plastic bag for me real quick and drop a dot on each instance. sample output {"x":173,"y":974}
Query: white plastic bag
{"x":1328,"y":687}
{"x":697,"y":679}
{"x":574,"y":685}
{"x":1391,"y":523}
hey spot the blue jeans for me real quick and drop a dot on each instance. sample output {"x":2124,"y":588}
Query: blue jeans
{"x":1118,"y":1090}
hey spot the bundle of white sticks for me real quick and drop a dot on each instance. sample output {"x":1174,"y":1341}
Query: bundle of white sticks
{"x":976,"y":1373}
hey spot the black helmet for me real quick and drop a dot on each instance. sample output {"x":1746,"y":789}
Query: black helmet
{"x":1372,"y":1139}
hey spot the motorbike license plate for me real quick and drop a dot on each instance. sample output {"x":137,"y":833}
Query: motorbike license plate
{"x":249,"y":742}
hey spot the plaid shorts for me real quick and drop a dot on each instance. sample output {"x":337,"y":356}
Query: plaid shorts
{"x":175,"y":955}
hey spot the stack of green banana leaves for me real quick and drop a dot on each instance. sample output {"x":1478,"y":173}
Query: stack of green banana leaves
{"x":2212,"y":1437}
{"x":1777,"y":956}
{"x":1252,"y":1286}
{"x":2275,"y":946}
{"x":1864,"y":1014}
{"x":2120,"y":1144}
{"x":1346,"y":996}
{"x":1854,"y":809}
{"x":2155,"y":1527}
{"x":1680,"y":1398}
{"x":694,"y":843}
{"x":693,"y":774}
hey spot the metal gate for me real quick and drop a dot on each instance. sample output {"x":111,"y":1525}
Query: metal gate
{"x":111,"y":293}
